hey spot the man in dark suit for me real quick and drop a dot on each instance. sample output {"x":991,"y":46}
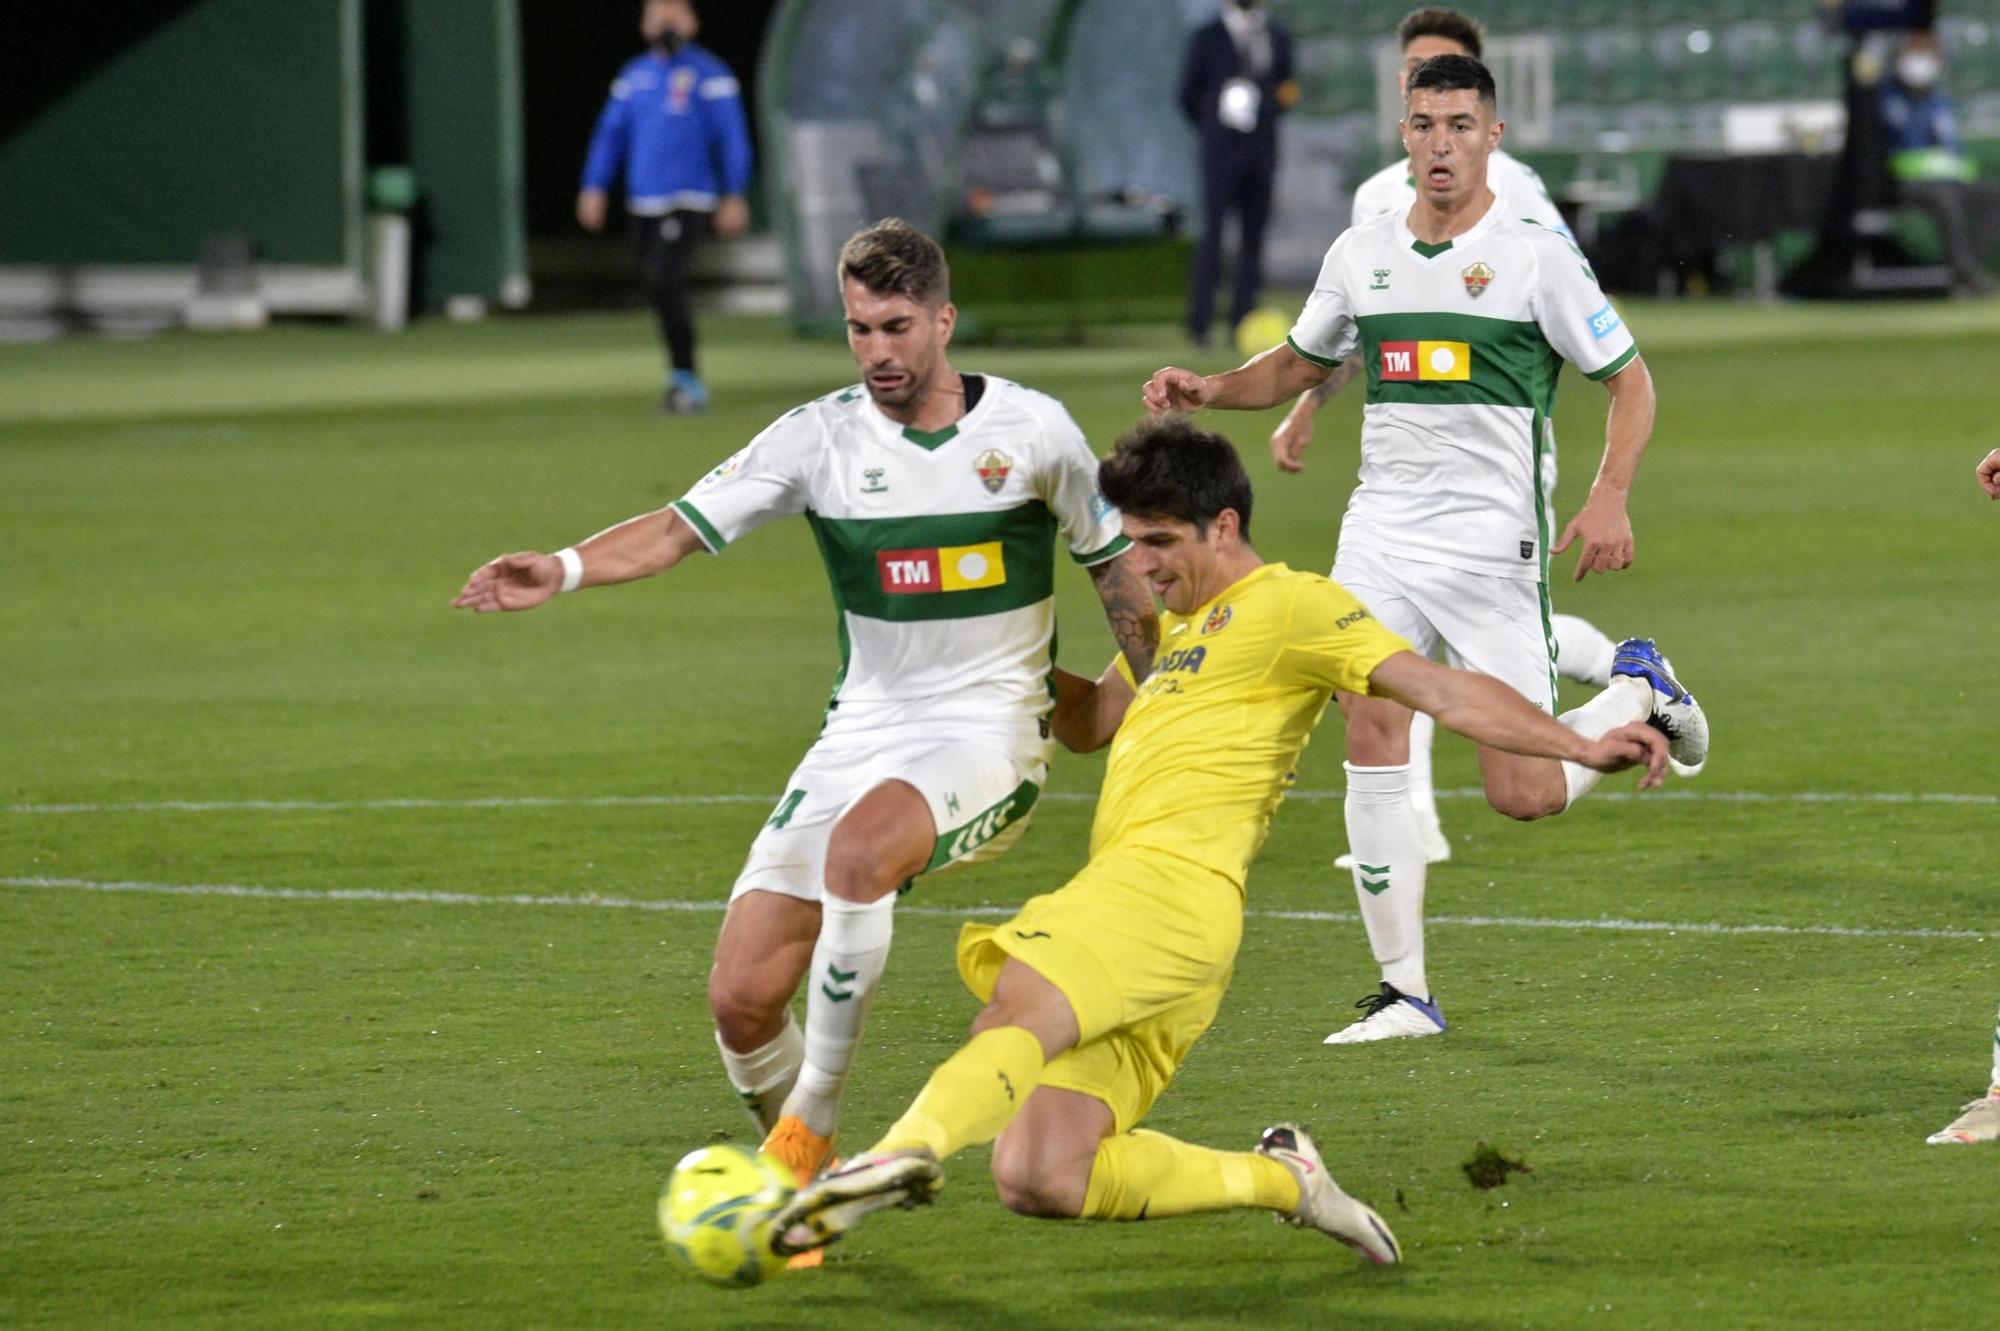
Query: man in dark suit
{"x":1235,"y":80}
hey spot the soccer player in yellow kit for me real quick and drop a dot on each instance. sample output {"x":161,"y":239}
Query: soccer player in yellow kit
{"x":1095,"y":993}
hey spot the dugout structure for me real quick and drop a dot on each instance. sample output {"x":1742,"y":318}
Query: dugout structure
{"x":158,"y":132}
{"x":1039,"y":138}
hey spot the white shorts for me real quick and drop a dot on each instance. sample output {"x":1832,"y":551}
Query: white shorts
{"x":981,"y":786}
{"x":1496,"y":626}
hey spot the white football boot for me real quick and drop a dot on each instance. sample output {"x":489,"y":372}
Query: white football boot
{"x":1979,"y":1123}
{"x":1675,"y":712}
{"x":836,"y":1202}
{"x":1391,"y":1014}
{"x":1322,"y":1204}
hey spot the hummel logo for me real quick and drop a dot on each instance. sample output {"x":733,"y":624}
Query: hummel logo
{"x":1373,"y":878}
{"x":838,"y":976}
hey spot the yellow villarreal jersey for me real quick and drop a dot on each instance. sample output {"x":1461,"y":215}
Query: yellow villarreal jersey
{"x":1210,"y":742}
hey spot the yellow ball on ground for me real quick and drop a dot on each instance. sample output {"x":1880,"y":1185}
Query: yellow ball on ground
{"x":716,"y":1211}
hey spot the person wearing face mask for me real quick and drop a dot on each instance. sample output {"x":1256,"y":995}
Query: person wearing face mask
{"x":1929,"y":164}
{"x":1236,"y":77}
{"x":674,"y":129}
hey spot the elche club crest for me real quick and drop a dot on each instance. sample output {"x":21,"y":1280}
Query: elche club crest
{"x":1477,"y":277}
{"x":1218,"y":620}
{"x":994,"y":468}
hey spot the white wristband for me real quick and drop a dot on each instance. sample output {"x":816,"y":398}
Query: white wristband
{"x":572,"y":566}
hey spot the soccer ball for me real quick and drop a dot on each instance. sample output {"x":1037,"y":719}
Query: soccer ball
{"x":716,"y":1212}
{"x":1260,"y":330}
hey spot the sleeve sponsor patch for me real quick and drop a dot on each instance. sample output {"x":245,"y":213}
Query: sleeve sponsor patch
{"x":1605,"y":322}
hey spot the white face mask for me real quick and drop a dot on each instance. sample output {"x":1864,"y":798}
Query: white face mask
{"x":1918,"y":69}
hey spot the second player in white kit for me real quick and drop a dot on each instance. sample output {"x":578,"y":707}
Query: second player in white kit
{"x":1584,"y":652}
{"x":1461,"y":318}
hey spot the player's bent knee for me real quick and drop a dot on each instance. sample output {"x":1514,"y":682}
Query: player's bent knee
{"x":1525,"y":805}
{"x":1033,"y":1184}
{"x":857,"y":874}
{"x":748,"y":1015}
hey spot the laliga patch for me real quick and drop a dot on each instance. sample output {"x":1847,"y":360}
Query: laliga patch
{"x":1605,"y":322}
{"x":993,"y":467}
{"x":1477,"y":277}
{"x":729,"y":467}
{"x":1426,"y":362}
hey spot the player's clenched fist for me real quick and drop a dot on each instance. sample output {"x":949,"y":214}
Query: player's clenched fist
{"x":512,"y":582}
{"x":1989,"y":474}
{"x":1175,"y":389}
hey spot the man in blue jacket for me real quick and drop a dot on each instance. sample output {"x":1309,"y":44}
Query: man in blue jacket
{"x":674,"y":128}
{"x":1235,"y":79}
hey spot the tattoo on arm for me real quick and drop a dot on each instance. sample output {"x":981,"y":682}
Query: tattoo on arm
{"x":1129,"y":608}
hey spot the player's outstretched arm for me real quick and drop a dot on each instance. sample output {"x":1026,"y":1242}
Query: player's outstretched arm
{"x":1295,"y":432}
{"x":1602,"y":526}
{"x":637,"y":548}
{"x":1989,"y":474}
{"x":1128,"y":606}
{"x":1265,"y":380}
{"x":1483,"y":709}
{"x":1088,"y":711}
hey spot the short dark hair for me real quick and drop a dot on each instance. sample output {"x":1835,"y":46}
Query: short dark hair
{"x":893,"y":258}
{"x":1437,"y":21}
{"x":1453,"y":73}
{"x":1168,"y":469}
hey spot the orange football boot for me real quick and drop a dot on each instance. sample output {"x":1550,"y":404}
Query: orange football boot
{"x":806,"y":1154}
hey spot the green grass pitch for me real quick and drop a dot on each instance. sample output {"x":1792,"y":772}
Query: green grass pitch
{"x":429,"y":1063}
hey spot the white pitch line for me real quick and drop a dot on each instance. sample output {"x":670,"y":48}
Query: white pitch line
{"x":1061,"y":796}
{"x":415,"y":896}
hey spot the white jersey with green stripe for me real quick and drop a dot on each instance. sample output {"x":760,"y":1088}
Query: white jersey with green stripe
{"x":1462,"y":343}
{"x":940,"y":546}
{"x":1394,"y":190}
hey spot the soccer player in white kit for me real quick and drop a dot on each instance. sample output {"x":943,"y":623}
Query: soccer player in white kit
{"x":1462,"y":316}
{"x":1979,"y":1120}
{"x":1584,"y":651}
{"x":937,"y":499}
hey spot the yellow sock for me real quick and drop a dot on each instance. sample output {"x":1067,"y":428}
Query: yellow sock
{"x":973,"y":1094}
{"x":1145,"y":1175}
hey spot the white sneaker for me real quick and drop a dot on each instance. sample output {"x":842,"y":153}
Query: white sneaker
{"x":1322,"y":1204}
{"x":1675,"y":712}
{"x":835,"y":1203}
{"x":1979,"y":1123}
{"x":1437,"y":848}
{"x":1392,"y":1014}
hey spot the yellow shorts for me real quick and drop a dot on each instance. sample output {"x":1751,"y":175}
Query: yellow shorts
{"x":1142,"y":945}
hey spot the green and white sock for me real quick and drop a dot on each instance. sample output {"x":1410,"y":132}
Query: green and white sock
{"x":765,"y":1076}
{"x":847,"y":964}
{"x":1623,"y":701}
{"x":1583,"y":652}
{"x":1389,"y":872}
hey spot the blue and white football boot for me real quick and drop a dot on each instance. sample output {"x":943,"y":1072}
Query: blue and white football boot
{"x":1391,"y":1014}
{"x":1675,"y":712}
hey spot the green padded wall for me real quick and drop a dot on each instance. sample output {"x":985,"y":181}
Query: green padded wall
{"x":237,"y":116}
